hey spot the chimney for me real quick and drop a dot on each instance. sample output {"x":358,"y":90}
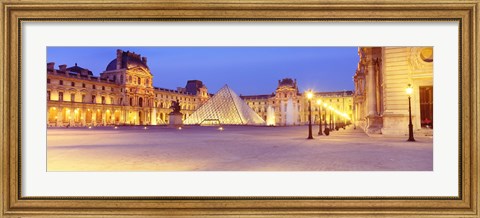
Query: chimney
{"x":50,"y":66}
{"x":63,"y":67}
{"x":144,"y":60}
{"x":119,"y":59}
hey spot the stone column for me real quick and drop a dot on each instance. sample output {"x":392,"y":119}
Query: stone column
{"x":371,"y":91}
{"x":154,"y":116}
{"x":374,"y":123}
{"x":84,"y":117}
{"x":104,"y":118}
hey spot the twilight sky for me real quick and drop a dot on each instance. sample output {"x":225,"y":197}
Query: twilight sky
{"x":247,"y":70}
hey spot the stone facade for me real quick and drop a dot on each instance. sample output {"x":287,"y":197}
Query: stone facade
{"x":122,"y":95}
{"x":274,"y":108}
{"x":381,"y":78}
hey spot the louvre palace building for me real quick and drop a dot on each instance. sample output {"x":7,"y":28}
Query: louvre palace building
{"x":123,"y":94}
{"x":381,"y":104}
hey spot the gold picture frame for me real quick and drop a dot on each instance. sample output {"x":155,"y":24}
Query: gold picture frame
{"x":15,"y":12}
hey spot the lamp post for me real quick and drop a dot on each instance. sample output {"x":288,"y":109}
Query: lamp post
{"x":327,"y":130}
{"x":409,"y":92}
{"x":319,"y":103}
{"x":331,"y":117}
{"x":309,"y":97}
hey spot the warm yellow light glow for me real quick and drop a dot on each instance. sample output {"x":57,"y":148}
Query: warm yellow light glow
{"x":220,"y":128}
{"x":309,"y":94}
{"x":89,"y":127}
{"x":144,"y":127}
{"x":319,"y":102}
{"x":54,"y":108}
{"x":116,"y":127}
{"x":325,"y":104}
{"x":179,"y":128}
{"x":409,"y":89}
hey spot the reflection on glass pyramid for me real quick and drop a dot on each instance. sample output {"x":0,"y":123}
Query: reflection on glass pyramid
{"x":225,"y":107}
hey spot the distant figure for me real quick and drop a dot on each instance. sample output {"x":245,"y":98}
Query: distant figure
{"x":327,"y":131}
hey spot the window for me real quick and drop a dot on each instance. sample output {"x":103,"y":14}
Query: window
{"x":83,"y":85}
{"x":111,"y":89}
{"x":139,"y":80}
{"x":111,"y":100}
{"x":103,"y":99}
{"x":131,"y":102}
{"x":103,"y":87}
{"x":48,"y":95}
{"x":338,"y":100}
{"x":94,"y":99}
{"x":94,"y":87}
{"x":72,"y":97}
{"x":60,"y":96}
{"x":121,"y":78}
{"x":60,"y":82}
{"x":73,"y":83}
{"x":48,"y":81}
{"x":83,"y":98}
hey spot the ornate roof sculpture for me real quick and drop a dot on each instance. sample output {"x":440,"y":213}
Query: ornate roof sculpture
{"x":225,"y":107}
{"x":127,"y":60}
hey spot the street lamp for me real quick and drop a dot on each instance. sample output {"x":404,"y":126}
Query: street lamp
{"x":327,"y":130}
{"x":409,"y":92}
{"x":319,"y":103}
{"x":331,"y":117}
{"x":309,"y":97}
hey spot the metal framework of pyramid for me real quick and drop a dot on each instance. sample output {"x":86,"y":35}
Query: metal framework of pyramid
{"x":225,"y":107}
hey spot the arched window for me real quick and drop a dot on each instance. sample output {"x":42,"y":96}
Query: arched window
{"x":140,"y":102}
{"x":131,"y":101}
{"x":139,"y":80}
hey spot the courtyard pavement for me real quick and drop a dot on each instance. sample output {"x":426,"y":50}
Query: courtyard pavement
{"x":236,"y":148}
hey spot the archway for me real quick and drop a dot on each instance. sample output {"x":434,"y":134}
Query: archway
{"x":140,"y":102}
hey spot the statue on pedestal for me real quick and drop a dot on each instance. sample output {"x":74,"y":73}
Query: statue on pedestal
{"x":176,"y":107}
{"x":176,"y":117}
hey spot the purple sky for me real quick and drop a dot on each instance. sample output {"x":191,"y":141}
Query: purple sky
{"x":247,"y":70}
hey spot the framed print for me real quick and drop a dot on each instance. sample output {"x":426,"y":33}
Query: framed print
{"x":249,"y":109}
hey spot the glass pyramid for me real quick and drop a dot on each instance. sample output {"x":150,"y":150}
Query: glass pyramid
{"x":225,"y":107}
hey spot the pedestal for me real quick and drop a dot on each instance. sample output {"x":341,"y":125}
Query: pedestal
{"x":374,"y":125}
{"x":175,"y":119}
